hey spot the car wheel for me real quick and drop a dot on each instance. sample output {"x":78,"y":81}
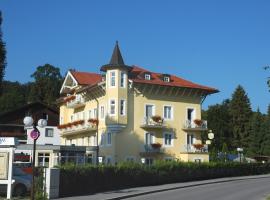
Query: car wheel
{"x":19,"y":190}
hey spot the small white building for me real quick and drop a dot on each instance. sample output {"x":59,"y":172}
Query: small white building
{"x":50,"y":135}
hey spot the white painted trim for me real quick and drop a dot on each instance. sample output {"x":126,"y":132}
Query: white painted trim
{"x":154,"y":137}
{"x":125,"y":79}
{"x":189,"y":107}
{"x":125,"y":112}
{"x":172,"y":142}
{"x":154,"y":108}
{"x":115,"y":108}
{"x":104,"y":112}
{"x":116,"y":78}
{"x":68,"y":74}
{"x":172,"y":113}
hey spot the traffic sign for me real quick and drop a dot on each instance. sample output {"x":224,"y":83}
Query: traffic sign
{"x":34,"y":134}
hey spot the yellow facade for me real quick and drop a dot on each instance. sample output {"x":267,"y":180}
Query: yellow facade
{"x":126,"y":134}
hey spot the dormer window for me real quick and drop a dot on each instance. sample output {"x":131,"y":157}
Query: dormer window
{"x":166,"y":78}
{"x":147,"y":76}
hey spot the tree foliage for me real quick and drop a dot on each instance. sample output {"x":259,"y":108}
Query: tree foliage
{"x":241,"y":113}
{"x":2,"y":56}
{"x":45,"y":88}
{"x":47,"y":84}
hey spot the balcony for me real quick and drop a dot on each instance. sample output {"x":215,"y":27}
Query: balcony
{"x":153,"y":122}
{"x":195,"y":148}
{"x":75,"y":101}
{"x":77,"y":127}
{"x":152,"y":149}
{"x":195,"y":125}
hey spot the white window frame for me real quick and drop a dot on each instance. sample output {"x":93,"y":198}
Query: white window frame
{"x":149,"y":104}
{"x":172,"y":114}
{"x":115,"y":111}
{"x":89,"y":114}
{"x":124,"y":107}
{"x":147,"y":76}
{"x":109,"y":144}
{"x":154,"y":138}
{"x":102,"y":112}
{"x":110,"y":79}
{"x":46,"y":131}
{"x":194,"y":110}
{"x":164,"y":139}
{"x":166,"y":79}
{"x":61,"y":120}
{"x":122,"y":77}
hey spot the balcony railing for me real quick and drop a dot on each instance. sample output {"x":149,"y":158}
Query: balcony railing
{"x":79,"y":127}
{"x":148,"y":122}
{"x":151,"y":149}
{"x":200,"y":125}
{"x":190,"y":148}
{"x":76,"y":102}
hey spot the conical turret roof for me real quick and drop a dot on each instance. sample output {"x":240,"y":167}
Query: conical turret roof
{"x":116,"y":60}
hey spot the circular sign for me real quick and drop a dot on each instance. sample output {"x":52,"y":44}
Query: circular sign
{"x":34,"y":134}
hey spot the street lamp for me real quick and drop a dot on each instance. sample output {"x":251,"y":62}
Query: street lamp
{"x":240,"y":151}
{"x":34,"y":134}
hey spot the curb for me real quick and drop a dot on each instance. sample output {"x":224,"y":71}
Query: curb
{"x":212,"y":181}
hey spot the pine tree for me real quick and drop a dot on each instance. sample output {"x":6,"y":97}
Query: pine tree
{"x":241,"y":113}
{"x":256,"y":134}
{"x":2,"y":56}
{"x":265,"y":147}
{"x":219,"y":121}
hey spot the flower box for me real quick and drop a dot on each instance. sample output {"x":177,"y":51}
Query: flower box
{"x":198,"y":146}
{"x":93,"y":121}
{"x":156,"y":145}
{"x":157,"y":119}
{"x":198,"y":122}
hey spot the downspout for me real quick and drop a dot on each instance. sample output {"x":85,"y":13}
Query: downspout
{"x":97,"y":148}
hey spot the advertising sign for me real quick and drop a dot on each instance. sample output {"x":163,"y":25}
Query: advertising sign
{"x":4,"y":165}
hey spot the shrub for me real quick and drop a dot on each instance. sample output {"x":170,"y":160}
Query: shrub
{"x":89,"y":179}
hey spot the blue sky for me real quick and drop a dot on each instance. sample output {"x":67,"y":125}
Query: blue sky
{"x":215,"y":43}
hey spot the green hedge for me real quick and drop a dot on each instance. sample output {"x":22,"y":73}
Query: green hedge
{"x":88,"y":179}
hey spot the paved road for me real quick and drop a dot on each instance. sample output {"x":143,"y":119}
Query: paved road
{"x":251,"y":189}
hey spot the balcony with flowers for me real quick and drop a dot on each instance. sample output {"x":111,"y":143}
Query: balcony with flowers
{"x":155,"y":121}
{"x":150,"y":149}
{"x":195,"y":125}
{"x":74,"y":101}
{"x":76,"y":127}
{"x":195,"y":148}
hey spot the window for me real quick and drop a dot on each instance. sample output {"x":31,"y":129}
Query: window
{"x":122,"y":107}
{"x":108,"y":160}
{"x":102,"y":141}
{"x":149,"y":161}
{"x":149,"y":111}
{"x":71,"y":118}
{"x":43,"y":159}
{"x":167,"y":112}
{"x":112,"y":79}
{"x":190,"y":114}
{"x":49,"y":132}
{"x":168,"y":159}
{"x":123,"y":80}
{"x":90,"y":114}
{"x":112,"y":107}
{"x":166,"y":79}
{"x":168,"y":139}
{"x":109,"y":138}
{"x":83,"y":115}
{"x":102,"y":112}
{"x":147,"y":76}
{"x":95,"y":113}
{"x":190,"y":139}
{"x":130,"y":158}
{"x":149,"y":138}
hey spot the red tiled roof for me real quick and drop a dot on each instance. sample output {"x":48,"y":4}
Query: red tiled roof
{"x":156,"y":78}
{"x":85,"y":78}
